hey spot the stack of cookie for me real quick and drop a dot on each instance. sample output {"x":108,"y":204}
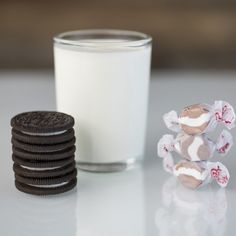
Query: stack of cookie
{"x":43,"y":145}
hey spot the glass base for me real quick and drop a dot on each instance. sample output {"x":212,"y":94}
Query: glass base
{"x":109,"y":167}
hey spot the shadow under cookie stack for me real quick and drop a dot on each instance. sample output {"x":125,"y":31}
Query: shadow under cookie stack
{"x":43,"y":146}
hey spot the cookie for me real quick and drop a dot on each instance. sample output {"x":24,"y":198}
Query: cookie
{"x":63,"y":154}
{"x":43,"y":152}
{"x":43,"y":172}
{"x":42,"y":139}
{"x":42,"y":164}
{"x":42,"y":122}
{"x":47,"y":180}
{"x":42,"y":148}
{"x":46,"y":191}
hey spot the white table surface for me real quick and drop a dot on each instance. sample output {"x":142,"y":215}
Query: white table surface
{"x":143,"y":201}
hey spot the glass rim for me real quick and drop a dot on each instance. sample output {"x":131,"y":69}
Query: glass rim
{"x":136,"y":39}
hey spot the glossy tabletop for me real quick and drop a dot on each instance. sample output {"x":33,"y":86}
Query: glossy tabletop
{"x":144,"y":201}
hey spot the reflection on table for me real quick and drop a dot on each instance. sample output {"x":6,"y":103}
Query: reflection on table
{"x":111,"y":204}
{"x":52,"y":215}
{"x":191,"y":212}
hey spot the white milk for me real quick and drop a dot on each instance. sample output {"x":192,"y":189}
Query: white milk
{"x":107,"y":93}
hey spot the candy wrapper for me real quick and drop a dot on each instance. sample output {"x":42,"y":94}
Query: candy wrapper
{"x":195,"y":171}
{"x":201,"y":118}
{"x":197,"y":174}
{"x":194,"y":148}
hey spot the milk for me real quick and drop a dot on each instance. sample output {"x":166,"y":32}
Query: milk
{"x":106,"y":91}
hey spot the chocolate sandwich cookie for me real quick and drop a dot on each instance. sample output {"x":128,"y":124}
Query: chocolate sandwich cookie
{"x":42,"y":148}
{"x":43,"y":145}
{"x":50,"y":190}
{"x":42,"y":122}
{"x":43,"y":172}
{"x":42,"y":164}
{"x":52,"y":156}
{"x":47,"y":180}
{"x":43,"y":139}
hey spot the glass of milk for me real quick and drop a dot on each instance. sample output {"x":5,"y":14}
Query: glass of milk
{"x":102,"y":80}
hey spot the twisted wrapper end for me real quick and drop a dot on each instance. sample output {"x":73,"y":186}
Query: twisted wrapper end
{"x":171,"y":120}
{"x":219,"y":173}
{"x":224,"y":113}
{"x":168,"y":163}
{"x":165,"y":145}
{"x":224,"y":142}
{"x":164,"y":148}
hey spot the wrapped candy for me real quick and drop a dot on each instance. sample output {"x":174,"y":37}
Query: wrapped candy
{"x":194,"y":148}
{"x":197,"y":174}
{"x":201,"y":118}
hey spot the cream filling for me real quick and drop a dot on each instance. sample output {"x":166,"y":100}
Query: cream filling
{"x":44,"y":134}
{"x":195,"y":122}
{"x":39,"y":169}
{"x":191,"y":172}
{"x":193,"y":148}
{"x":49,"y":186}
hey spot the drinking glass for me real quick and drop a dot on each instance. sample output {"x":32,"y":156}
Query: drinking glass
{"x":102,"y":80}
